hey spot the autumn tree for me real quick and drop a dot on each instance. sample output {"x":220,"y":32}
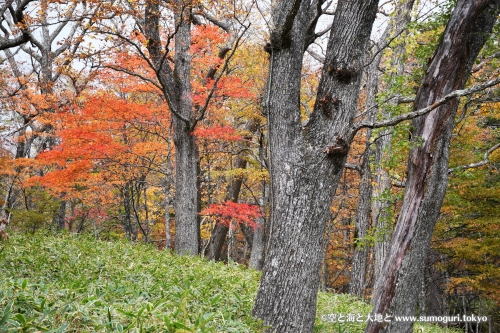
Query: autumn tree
{"x":162,"y":35}
{"x":247,"y":166}
{"x":55,"y":32}
{"x":110,"y":150}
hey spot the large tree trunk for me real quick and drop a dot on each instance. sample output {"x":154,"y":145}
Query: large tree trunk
{"x":397,"y":290}
{"x":186,"y":203}
{"x":306,"y":161}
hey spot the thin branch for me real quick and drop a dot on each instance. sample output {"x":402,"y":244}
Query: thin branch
{"x":352,"y":166}
{"x":319,"y":57}
{"x":394,"y":121}
{"x":217,"y":79}
{"x":479,"y":66}
{"x":223,"y":25}
{"x":478,"y":164}
{"x":132,"y":73}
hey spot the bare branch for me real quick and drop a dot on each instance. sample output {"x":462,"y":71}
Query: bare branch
{"x":315,"y":13}
{"x":223,"y":25}
{"x":478,"y":164}
{"x":317,"y":56}
{"x":352,"y":166}
{"x":132,"y":73}
{"x":394,"y":121}
{"x":479,"y":66}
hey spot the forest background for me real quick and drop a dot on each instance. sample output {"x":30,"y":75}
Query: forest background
{"x":150,"y":121}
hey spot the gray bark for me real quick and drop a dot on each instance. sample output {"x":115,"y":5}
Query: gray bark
{"x":397,"y":292}
{"x":257,"y":255}
{"x":306,"y":161}
{"x":187,"y":164}
{"x":13,"y":11}
{"x":257,"y":252}
{"x":357,"y":283}
{"x":380,"y":206}
{"x":176,"y":85}
{"x":168,"y":197}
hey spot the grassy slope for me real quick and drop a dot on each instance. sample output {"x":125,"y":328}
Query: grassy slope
{"x":70,"y":284}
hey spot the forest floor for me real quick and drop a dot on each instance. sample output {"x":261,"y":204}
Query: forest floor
{"x":70,"y":283}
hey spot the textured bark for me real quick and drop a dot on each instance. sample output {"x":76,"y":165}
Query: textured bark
{"x":176,"y":85}
{"x":357,"y":283}
{"x":187,"y":164}
{"x":306,"y":161}
{"x":257,"y":253}
{"x":258,"y":240}
{"x":397,"y":292}
{"x":380,"y":206}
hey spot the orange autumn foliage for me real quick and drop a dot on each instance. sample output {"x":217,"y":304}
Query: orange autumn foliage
{"x":240,"y":213}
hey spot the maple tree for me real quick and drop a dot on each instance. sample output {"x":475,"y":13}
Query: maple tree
{"x":106,"y":145}
{"x":228,"y":212}
{"x":187,"y":93}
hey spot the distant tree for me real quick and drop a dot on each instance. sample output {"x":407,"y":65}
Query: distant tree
{"x":161,"y":33}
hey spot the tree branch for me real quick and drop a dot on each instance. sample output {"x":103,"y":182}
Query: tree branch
{"x":217,"y":79}
{"x":223,"y":25}
{"x":394,"y":121}
{"x":478,"y":164}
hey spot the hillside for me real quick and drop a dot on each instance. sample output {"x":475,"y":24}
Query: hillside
{"x":77,"y":284}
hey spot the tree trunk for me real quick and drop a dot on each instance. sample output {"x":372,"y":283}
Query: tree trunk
{"x":176,"y":85}
{"x":59,"y":218}
{"x":381,"y":217}
{"x":358,"y":281}
{"x":306,"y":161}
{"x":187,"y":163}
{"x":257,"y":255}
{"x":186,"y":203}
{"x":397,"y":291}
{"x":257,"y":250}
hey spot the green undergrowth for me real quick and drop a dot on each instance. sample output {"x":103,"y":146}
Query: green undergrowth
{"x":78,"y":284}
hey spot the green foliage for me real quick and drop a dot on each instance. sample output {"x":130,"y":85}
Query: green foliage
{"x":82,"y":285}
{"x":38,"y":211}
{"x":78,"y":284}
